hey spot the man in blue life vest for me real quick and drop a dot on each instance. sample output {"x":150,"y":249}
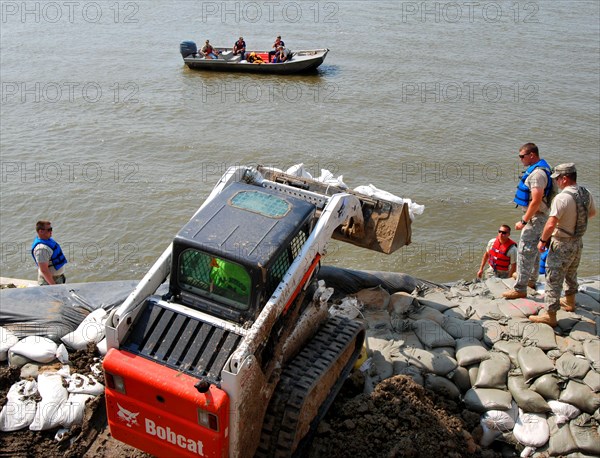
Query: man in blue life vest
{"x":533,"y":196}
{"x":500,"y":254}
{"x":562,"y":236}
{"x":48,"y":256}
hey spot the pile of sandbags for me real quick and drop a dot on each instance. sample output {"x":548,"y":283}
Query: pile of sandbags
{"x":534,"y":386}
{"x":49,"y":393}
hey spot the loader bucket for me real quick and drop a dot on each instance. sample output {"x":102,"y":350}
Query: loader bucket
{"x":387,"y":225}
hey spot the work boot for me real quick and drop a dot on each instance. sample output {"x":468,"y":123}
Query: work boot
{"x":567,"y":303}
{"x":547,"y":318}
{"x":513,"y":294}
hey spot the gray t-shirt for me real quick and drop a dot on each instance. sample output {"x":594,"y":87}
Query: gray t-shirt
{"x":43,"y":253}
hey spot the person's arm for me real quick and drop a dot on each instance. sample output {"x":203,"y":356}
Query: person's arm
{"x":45,"y":270}
{"x":536,"y":200}
{"x":484,"y":260}
{"x":547,"y":233}
{"x":512,"y":269}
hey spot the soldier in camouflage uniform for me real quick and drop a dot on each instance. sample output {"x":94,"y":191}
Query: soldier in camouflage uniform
{"x":567,"y":223}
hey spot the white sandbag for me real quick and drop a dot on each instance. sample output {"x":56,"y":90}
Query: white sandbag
{"x":533,"y":363}
{"x":539,"y":335}
{"x":349,"y":308}
{"x":569,"y":366}
{"x":531,"y":429}
{"x":581,"y":396}
{"x":458,"y":328}
{"x":547,"y":386}
{"x":591,"y":350}
{"x":49,"y":412}
{"x":483,"y":399}
{"x":7,"y":340}
{"x":561,"y":441}
{"x":36,"y":348}
{"x":85,"y":384}
{"x":424,"y":360}
{"x":592,"y":379}
{"x":74,"y":408}
{"x":19,"y":410}
{"x":527,"y":400}
{"x":493,"y":371}
{"x":91,"y":330}
{"x":470,"y":350}
{"x":586,"y":434}
{"x":328,"y":178}
{"x":442,"y":386}
{"x":370,"y":190}
{"x":510,"y":348}
{"x":563,"y":411}
{"x":62,"y":354}
{"x":431,"y":334}
{"x":102,"y":347}
{"x":500,"y":420}
{"x":298,"y":170}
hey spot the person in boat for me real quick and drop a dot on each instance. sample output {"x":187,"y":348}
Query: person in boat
{"x":500,"y":254}
{"x":534,"y":193}
{"x":239,"y":48}
{"x":48,"y":256}
{"x":208,"y":51}
{"x":254,"y":58}
{"x":283,"y":54}
{"x":276,"y":45}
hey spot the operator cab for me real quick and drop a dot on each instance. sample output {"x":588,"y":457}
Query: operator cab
{"x":231,"y":256}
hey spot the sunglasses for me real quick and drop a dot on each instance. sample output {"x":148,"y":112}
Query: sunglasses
{"x":49,"y":229}
{"x":521,"y":156}
{"x":503,"y":232}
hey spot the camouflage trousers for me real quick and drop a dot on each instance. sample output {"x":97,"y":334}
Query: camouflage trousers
{"x":528,"y":256}
{"x":561,"y":266}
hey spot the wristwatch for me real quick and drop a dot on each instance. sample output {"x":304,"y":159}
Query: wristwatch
{"x":523,"y":222}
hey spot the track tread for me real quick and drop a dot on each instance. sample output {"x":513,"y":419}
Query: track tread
{"x":297,"y":379}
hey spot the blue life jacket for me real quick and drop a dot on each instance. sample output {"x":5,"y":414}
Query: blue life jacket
{"x":57,"y":259}
{"x":543,"y":257}
{"x":523,"y":192}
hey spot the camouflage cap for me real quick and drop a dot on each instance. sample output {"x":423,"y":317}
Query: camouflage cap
{"x":563,"y":169}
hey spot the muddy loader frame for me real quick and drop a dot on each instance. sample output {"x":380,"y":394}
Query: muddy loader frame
{"x":240,"y":357}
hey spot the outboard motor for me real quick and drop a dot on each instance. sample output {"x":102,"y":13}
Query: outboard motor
{"x":187,"y":48}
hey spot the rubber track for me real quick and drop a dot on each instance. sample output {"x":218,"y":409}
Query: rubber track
{"x":297,"y":381}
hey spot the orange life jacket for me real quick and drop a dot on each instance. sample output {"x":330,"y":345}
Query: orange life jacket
{"x":498,"y":258}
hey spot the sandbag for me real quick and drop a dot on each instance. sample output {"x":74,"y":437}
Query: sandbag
{"x":450,"y":352}
{"x":473,"y":371}
{"x":547,"y":386}
{"x":74,"y":408}
{"x":531,"y":429}
{"x":592,"y":379}
{"x":526,"y":306}
{"x":566,"y":320}
{"x":569,"y":366}
{"x":511,"y":349}
{"x":489,"y":435}
{"x":424,"y":360}
{"x":407,"y":338}
{"x":583,"y":331}
{"x":493,"y":371}
{"x":7,"y":340}
{"x":427,"y":313}
{"x":591,"y":350}
{"x":509,"y":310}
{"x":470,"y":350}
{"x":526,"y":399}
{"x":36,"y":348}
{"x":483,"y":399}
{"x":539,"y":335}
{"x":533,"y":363}
{"x":460,"y":328}
{"x":432,"y":335}
{"x":19,"y":410}
{"x":586,"y":435}
{"x":500,"y":420}
{"x":91,"y":330}
{"x":581,"y":396}
{"x":566,"y":344}
{"x":517,"y":326}
{"x":441,"y":386}
{"x":411,"y":372}
{"x":49,"y":412}
{"x":348,"y":281}
{"x":381,"y":366}
{"x":375,"y":298}
{"x":460,"y":377}
{"x":402,"y":303}
{"x":563,"y":411}
{"x":490,"y":310}
{"x":561,"y":441}
{"x":436,"y":300}
{"x":493,"y":331}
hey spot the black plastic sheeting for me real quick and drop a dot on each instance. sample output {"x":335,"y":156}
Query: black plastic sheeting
{"x":54,"y":311}
{"x":347,"y":281}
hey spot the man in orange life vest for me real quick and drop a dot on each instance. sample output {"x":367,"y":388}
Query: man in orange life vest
{"x":500,"y":254}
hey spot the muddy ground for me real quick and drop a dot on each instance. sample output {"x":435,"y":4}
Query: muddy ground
{"x":400,"y":418}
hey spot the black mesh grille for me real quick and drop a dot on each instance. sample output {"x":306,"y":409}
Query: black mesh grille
{"x":181,"y":342}
{"x":284,"y":262}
